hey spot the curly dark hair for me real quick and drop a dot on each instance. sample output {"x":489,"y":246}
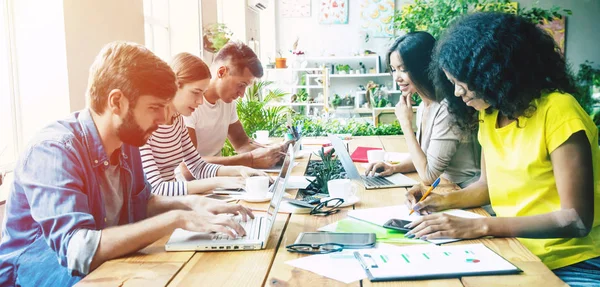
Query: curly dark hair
{"x":504,"y":59}
{"x":415,"y":50}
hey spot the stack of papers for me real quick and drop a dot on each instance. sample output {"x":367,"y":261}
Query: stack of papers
{"x":298,"y":182}
{"x":341,"y":266}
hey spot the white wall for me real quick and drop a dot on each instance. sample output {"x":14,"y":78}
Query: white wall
{"x":323,"y":40}
{"x":88,"y":26}
{"x":583,"y":37}
{"x":342,"y":40}
{"x":41,"y":60}
{"x":184,"y":21}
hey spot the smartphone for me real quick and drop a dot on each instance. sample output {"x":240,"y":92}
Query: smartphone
{"x":231,"y":191}
{"x":221,"y":197}
{"x":349,"y":240}
{"x":397,"y":224}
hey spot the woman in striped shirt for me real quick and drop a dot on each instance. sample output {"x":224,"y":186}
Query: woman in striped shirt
{"x":170,"y":144}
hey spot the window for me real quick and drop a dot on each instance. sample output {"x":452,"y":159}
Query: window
{"x":156,"y":27}
{"x":9,"y":136}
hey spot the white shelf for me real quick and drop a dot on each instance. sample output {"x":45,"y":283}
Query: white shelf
{"x":295,"y":104}
{"x":388,"y":91}
{"x":342,"y":58}
{"x":360,"y":75}
{"x":297,"y":86}
{"x":293,"y":69}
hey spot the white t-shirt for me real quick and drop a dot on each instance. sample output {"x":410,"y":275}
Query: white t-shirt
{"x":211,"y":123}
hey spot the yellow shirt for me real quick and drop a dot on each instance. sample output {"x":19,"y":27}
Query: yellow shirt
{"x":521,"y":178}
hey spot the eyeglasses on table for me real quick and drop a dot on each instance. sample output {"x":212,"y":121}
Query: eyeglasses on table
{"x":322,"y":248}
{"x":327,"y":207}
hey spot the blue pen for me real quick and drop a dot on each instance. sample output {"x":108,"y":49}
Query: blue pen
{"x":434,"y":185}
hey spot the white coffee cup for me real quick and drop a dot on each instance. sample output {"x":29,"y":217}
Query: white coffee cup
{"x":341,"y":188}
{"x":261,"y":136}
{"x":257,"y":186}
{"x":375,"y":155}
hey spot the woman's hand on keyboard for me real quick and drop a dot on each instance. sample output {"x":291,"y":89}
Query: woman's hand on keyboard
{"x":381,"y":168}
{"x":208,"y":222}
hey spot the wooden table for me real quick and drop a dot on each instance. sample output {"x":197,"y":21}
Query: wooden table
{"x":153,"y":266}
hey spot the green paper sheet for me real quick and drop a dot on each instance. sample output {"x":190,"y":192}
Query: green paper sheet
{"x":382,"y":234}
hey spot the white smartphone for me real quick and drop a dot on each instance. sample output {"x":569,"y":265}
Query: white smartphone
{"x":229,"y":191}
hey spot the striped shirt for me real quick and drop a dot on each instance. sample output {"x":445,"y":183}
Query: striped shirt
{"x":168,"y":146}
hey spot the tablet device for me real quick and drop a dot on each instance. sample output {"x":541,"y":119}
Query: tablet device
{"x":397,"y":224}
{"x":349,"y":240}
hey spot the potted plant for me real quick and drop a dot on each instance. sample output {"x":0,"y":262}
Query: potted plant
{"x":280,"y":62}
{"x":343,"y":69}
{"x":215,"y":36}
{"x":324,"y":170}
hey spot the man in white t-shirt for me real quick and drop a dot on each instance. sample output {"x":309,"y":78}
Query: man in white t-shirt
{"x":234,"y":68}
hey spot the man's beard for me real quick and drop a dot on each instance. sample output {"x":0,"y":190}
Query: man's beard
{"x":131,"y":133}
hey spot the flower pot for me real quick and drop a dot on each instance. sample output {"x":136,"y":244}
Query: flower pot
{"x":280,"y":63}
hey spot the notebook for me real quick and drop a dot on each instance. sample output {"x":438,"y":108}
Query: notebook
{"x":360,"y":154}
{"x":432,"y":262}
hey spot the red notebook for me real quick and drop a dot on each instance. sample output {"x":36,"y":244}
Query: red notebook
{"x":360,"y":154}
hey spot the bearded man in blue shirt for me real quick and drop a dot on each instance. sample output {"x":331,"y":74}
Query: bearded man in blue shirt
{"x":80,"y":197}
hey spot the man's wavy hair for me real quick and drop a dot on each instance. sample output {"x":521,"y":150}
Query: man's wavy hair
{"x":505,"y":59}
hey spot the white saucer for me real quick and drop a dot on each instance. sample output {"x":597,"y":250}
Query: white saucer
{"x":267,"y":197}
{"x":350,"y":201}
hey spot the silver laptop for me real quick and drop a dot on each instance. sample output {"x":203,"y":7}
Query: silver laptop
{"x":257,"y":229}
{"x":370,"y":182}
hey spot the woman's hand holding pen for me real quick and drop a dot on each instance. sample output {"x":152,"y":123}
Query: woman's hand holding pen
{"x":442,"y":225}
{"x":434,"y":202}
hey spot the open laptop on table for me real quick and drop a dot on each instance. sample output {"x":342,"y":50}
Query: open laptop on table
{"x":257,"y":229}
{"x":370,"y":182}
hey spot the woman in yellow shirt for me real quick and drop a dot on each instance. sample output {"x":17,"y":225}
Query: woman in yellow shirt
{"x":540,"y":163}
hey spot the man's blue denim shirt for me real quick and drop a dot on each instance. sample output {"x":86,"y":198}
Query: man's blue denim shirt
{"x":55,"y":193}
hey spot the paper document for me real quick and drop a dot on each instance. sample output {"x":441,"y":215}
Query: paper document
{"x":298,"y":182}
{"x":427,"y":262}
{"x":379,"y":216}
{"x":341,"y":266}
{"x":276,"y":168}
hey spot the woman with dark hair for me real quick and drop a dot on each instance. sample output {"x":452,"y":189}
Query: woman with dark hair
{"x":437,"y":149}
{"x":540,"y":164}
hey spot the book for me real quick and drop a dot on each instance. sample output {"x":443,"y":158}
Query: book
{"x":360,"y":154}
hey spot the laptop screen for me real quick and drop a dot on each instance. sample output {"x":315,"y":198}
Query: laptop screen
{"x":344,"y":156}
{"x":279,"y":186}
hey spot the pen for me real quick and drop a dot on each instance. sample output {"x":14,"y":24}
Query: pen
{"x":435,"y":183}
{"x":362,"y":263}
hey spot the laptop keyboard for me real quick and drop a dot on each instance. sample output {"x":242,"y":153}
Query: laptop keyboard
{"x":376,"y":181}
{"x":252,"y":227}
